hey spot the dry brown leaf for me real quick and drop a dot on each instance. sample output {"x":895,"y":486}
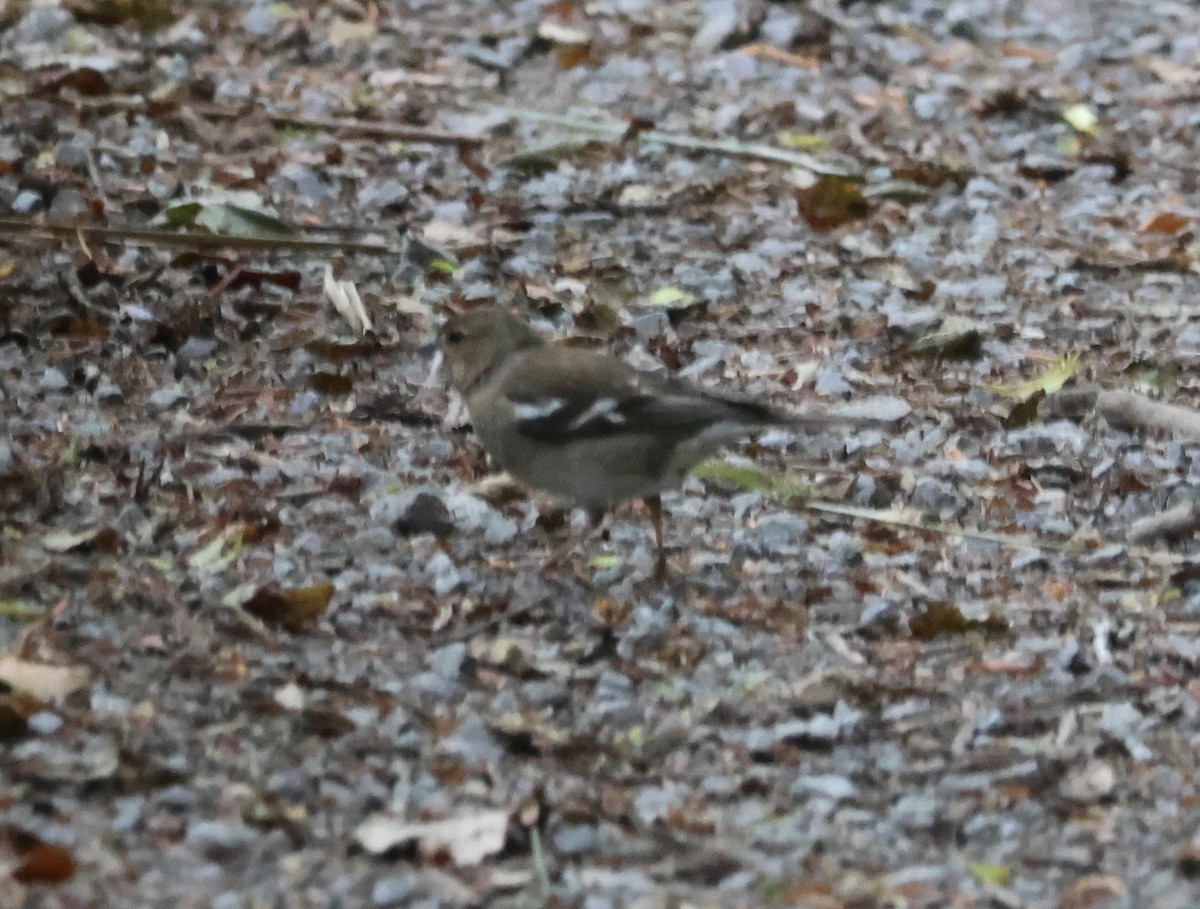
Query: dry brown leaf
{"x":343,"y":32}
{"x":1093,"y":892}
{"x":779,"y":55}
{"x":295,"y":610}
{"x":1165,"y":222}
{"x":45,"y":863}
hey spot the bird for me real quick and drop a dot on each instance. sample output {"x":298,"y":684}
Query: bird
{"x":585,"y":426}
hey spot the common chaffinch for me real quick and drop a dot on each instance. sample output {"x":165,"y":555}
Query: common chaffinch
{"x":588,"y":427}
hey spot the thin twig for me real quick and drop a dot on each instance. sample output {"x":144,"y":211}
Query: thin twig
{"x":905,"y":518}
{"x":347,"y":126}
{"x":539,"y":863}
{"x":16,"y":227}
{"x":1171,"y":524}
{"x":1127,"y":408}
{"x":94,"y":173}
{"x":732,"y":147}
{"x":375,"y":129}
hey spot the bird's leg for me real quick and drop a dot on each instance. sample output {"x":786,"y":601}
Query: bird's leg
{"x":564,"y":549}
{"x":654,"y":503}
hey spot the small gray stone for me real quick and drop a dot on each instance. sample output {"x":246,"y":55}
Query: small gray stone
{"x":780,"y":533}
{"x":166,"y":398}
{"x":447,"y":661}
{"x":383,"y":195}
{"x":177,"y":797}
{"x":196,"y":348}
{"x":260,"y":20}
{"x":73,"y":154}
{"x":393,"y":890}
{"x":54,"y":380}
{"x":574,"y":839}
{"x":829,"y":785}
{"x":27,"y":200}
{"x":220,"y":839}
{"x":45,"y":723}
{"x":934,"y":495}
{"x":42,"y":23}
{"x":68,"y":202}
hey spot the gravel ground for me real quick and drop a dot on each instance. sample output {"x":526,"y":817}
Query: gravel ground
{"x":270,"y":635}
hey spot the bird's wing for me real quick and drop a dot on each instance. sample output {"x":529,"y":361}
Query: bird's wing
{"x":560,"y":394}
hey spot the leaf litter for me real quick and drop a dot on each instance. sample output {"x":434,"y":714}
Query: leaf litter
{"x":292,"y":609}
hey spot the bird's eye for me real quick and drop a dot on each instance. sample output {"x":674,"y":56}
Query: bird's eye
{"x":455,"y":337}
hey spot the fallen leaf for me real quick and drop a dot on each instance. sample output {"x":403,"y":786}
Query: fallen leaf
{"x":987,"y":873}
{"x":45,"y":863}
{"x":98,"y":539}
{"x":557,"y":33}
{"x":1052,"y":380}
{"x":229,"y":213}
{"x":343,"y":32}
{"x":670,"y":298}
{"x":465,"y":840}
{"x":610,"y":613}
{"x":217,"y":552}
{"x":779,"y":55}
{"x":749,"y":478}
{"x":1089,"y":783}
{"x":330,"y":383}
{"x":956,"y":338}
{"x":1082,"y":119}
{"x":1093,"y":892}
{"x":20,"y":610}
{"x":43,"y":681}
{"x":1165,"y":222}
{"x":941,"y":618}
{"x":827,"y":202}
{"x":295,"y":610}
{"x":542,"y":158}
{"x":345,"y":299}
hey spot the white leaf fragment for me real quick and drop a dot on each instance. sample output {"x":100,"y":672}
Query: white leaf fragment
{"x":43,"y":681}
{"x":467,"y":840}
{"x":345,"y":299}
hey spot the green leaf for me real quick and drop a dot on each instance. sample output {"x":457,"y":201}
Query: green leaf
{"x":442,"y":266}
{"x":217,"y":552}
{"x":1052,"y":380}
{"x":21,"y":610}
{"x":793,"y":138}
{"x":547,"y":157}
{"x":239,"y":213}
{"x":604,"y":561}
{"x":670,"y":298}
{"x":778,"y":487}
{"x":183,"y":214}
{"x":162,"y":563}
{"x":225,"y":218}
{"x":1082,"y":119}
{"x":996,"y":875}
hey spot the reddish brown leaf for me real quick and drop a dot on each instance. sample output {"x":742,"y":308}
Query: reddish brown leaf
{"x":1165,"y":222}
{"x":45,"y":863}
{"x":831,"y":202}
